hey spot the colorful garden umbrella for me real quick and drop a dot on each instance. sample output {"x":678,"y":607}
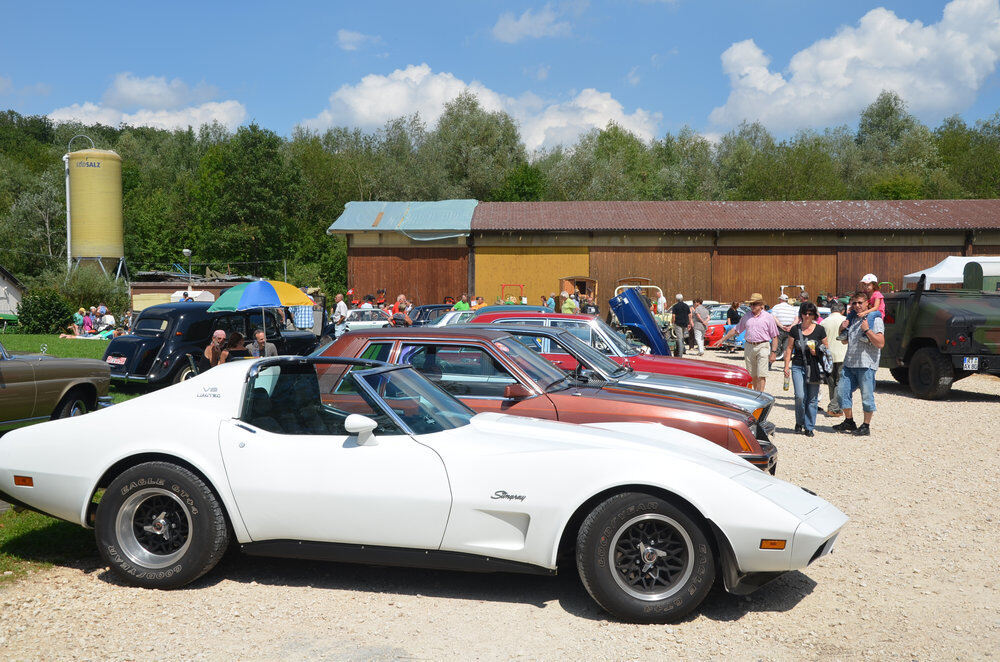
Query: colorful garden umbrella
{"x":260,"y":294}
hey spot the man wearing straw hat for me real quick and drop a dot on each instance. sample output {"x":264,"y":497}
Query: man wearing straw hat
{"x":760,"y":346}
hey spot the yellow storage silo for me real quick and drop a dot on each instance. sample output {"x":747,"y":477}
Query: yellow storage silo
{"x":95,"y":206}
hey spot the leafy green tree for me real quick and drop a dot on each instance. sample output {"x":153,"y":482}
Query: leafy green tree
{"x":476,"y":147}
{"x":525,"y":183}
{"x":244,"y":196}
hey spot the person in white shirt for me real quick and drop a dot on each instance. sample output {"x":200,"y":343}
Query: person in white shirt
{"x":661,"y":304}
{"x":838,"y":350}
{"x":785,"y":316}
{"x":340,"y":316}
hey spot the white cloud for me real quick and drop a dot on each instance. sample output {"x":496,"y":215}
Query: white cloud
{"x":632,"y":78}
{"x":541,"y":72}
{"x":154,"y":102}
{"x":937,"y":69}
{"x":128,"y":91}
{"x":545,"y":23}
{"x":349,"y":40}
{"x":377,"y":99}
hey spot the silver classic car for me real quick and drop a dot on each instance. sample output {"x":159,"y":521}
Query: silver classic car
{"x":40,"y":387}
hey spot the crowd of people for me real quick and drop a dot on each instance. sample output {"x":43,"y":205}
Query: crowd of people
{"x":97,"y":323}
{"x":842,"y":351}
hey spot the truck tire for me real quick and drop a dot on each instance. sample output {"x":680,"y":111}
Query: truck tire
{"x":901,"y":375}
{"x":931,"y":374}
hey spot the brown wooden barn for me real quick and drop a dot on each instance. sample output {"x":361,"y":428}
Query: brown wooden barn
{"x":718,"y":250}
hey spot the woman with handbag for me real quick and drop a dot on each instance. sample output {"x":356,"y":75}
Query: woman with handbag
{"x":805,"y":349}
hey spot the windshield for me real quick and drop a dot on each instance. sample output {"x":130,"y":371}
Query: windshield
{"x":581,"y":351}
{"x":622,"y":346}
{"x":422,"y":406}
{"x":538,"y":369}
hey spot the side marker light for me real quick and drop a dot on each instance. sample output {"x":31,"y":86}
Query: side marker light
{"x":768,"y":543}
{"x":24,"y":481}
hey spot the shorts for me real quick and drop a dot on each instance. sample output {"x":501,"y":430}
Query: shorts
{"x":857,"y":378}
{"x":756,"y":356}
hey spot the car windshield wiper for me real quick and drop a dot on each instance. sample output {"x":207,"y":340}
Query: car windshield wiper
{"x":560,"y":385}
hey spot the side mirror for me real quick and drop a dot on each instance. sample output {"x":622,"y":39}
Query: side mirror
{"x":515,"y":392}
{"x":363,"y":427}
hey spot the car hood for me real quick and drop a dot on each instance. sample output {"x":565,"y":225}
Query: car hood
{"x":656,"y":398}
{"x":744,"y":399}
{"x":710,"y":370}
{"x":534,"y":435}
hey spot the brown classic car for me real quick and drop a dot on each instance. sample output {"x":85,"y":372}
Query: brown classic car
{"x":489,"y":370}
{"x":39,"y":387}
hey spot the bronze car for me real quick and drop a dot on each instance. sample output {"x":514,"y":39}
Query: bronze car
{"x":39,"y":387}
{"x":490,"y":370}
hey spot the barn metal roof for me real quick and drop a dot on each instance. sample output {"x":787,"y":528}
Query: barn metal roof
{"x":685,"y":215}
{"x":417,"y":220}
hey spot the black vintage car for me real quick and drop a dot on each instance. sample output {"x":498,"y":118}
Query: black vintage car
{"x":165,"y":336}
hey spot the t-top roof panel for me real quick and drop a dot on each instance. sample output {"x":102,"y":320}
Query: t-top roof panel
{"x":418,"y":220}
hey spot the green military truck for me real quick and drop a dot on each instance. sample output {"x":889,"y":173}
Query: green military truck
{"x":936,"y":337}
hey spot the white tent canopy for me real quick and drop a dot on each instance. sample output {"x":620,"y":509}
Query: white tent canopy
{"x":197,"y":295}
{"x":949,"y":271}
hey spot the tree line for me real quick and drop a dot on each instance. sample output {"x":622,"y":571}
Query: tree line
{"x":244,"y":201}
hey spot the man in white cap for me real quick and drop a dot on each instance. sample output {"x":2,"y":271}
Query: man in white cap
{"x":784,"y":316}
{"x":681,"y":323}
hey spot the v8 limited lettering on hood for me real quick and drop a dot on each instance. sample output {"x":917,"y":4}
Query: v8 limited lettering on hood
{"x":500,"y":494}
{"x":209,"y":392}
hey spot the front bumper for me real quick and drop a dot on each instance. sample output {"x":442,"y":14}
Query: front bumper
{"x":985,"y":363}
{"x":104,"y":401}
{"x":125,"y":378}
{"x":766,"y":461}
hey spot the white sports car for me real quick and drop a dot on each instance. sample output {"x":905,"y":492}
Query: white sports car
{"x":360,"y":461}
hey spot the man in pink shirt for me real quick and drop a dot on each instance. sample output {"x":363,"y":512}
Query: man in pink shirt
{"x":760,"y":345}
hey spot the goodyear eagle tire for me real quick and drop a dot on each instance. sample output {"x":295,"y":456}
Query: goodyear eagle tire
{"x":931,"y":374}
{"x":644,"y":560}
{"x":160,"y":526}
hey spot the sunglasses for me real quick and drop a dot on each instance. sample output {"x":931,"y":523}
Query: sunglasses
{"x":857,"y":303}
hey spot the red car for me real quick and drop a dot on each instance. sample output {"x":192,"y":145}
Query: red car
{"x":605,"y":339}
{"x":491,"y":371}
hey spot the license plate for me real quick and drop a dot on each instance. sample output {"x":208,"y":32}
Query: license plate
{"x":116,"y":360}
{"x":970,"y":363}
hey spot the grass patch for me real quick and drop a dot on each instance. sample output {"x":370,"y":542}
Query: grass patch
{"x":23,"y":343}
{"x":30,"y":542}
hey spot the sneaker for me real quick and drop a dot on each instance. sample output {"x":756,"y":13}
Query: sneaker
{"x":833,"y":413}
{"x":862,"y":431}
{"x":810,"y":433}
{"x":798,"y":428}
{"x":847,"y":425}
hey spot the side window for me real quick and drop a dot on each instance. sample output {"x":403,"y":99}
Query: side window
{"x":274,"y":322}
{"x":535,"y":344}
{"x":376,"y":352}
{"x":289,"y":400}
{"x":579,"y":329}
{"x":460,"y":370}
{"x":230,"y":323}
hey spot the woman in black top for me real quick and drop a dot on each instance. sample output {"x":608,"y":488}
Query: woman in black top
{"x":733,"y":314}
{"x":802,"y":351}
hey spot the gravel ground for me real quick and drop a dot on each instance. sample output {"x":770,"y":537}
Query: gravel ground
{"x":915,"y":575}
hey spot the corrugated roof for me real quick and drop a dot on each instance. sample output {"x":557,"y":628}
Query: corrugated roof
{"x":685,"y":215}
{"x":419,"y":220}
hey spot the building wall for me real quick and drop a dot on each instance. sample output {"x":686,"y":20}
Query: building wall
{"x":889,"y":264}
{"x":424,"y":275}
{"x":739,"y":272}
{"x":538,"y":268}
{"x":10,"y":297}
{"x":685,"y":270}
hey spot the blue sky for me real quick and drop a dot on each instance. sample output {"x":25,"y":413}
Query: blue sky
{"x":559,"y":68}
